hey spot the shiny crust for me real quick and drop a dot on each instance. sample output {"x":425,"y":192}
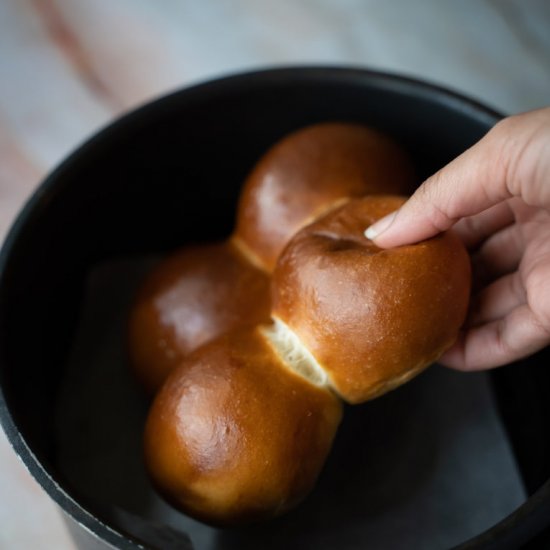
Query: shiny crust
{"x":372,"y":318}
{"x":192,"y":297}
{"x":307,"y":173}
{"x":234,"y":436}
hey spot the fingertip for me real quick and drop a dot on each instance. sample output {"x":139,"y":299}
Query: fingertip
{"x":381,"y":226}
{"x":371,"y":233}
{"x":454,"y":357}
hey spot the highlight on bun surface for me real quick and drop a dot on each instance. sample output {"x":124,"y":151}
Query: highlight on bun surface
{"x":310,"y":171}
{"x":235,"y":436}
{"x":195,"y":295}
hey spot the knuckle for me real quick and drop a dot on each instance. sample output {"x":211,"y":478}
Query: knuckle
{"x":433,"y":203}
{"x":517,"y":288}
{"x":503,"y":344}
{"x":539,"y":298}
{"x":518,"y":143}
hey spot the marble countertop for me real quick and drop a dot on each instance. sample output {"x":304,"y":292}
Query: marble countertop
{"x":68,"y":67}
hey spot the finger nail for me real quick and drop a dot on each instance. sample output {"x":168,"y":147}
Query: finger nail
{"x":376,"y":229}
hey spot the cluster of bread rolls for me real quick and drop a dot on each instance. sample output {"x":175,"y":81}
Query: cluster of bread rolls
{"x":241,"y":428}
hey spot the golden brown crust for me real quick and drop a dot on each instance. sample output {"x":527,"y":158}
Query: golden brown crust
{"x":372,"y":318}
{"x":233,"y":436}
{"x":190,"y":298}
{"x":306,"y":173}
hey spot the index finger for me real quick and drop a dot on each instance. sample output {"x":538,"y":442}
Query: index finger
{"x":492,"y":170}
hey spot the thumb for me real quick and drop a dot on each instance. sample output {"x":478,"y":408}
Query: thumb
{"x":481,"y":177}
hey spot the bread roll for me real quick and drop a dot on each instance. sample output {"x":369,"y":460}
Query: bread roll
{"x":193,"y":296}
{"x":309,"y":172}
{"x":372,"y":318}
{"x":234,"y":435}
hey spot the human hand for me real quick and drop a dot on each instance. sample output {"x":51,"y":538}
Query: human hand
{"x":496,"y":196}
